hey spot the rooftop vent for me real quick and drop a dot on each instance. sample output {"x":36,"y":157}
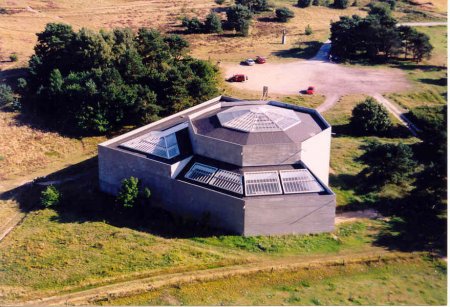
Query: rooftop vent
{"x":261,"y":118}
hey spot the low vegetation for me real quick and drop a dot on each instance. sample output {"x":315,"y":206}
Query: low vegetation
{"x":414,"y":282}
{"x":50,"y":197}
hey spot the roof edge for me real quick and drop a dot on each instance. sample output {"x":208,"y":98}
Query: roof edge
{"x":134,"y":131}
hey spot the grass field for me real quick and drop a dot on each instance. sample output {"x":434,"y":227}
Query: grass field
{"x":416,"y":282}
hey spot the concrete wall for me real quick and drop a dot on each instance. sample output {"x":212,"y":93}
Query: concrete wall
{"x":115,"y":165}
{"x":217,"y":149}
{"x":225,"y":211}
{"x":289,"y":214}
{"x":316,"y":154}
{"x":259,"y":155}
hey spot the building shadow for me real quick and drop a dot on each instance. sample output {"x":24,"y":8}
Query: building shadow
{"x":82,"y":201}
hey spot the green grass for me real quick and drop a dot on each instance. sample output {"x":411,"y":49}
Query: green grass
{"x":412,"y":282}
{"x":309,"y":101}
{"x":346,"y":237}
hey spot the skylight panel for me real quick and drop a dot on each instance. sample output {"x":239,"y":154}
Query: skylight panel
{"x":262,"y":183}
{"x":155,"y":143}
{"x":299,"y":181}
{"x":201,"y":173}
{"x":228,"y":181}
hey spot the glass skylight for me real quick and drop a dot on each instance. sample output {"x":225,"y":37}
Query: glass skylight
{"x":259,"y":118}
{"x":299,"y":181}
{"x":262,"y":183}
{"x":155,"y":143}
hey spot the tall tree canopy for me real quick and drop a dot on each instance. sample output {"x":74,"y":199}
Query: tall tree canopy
{"x":377,"y":34}
{"x":91,"y":82}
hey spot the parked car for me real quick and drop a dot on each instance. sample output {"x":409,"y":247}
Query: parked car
{"x":310,"y":90}
{"x":238,"y":78}
{"x":249,"y":62}
{"x":260,"y":60}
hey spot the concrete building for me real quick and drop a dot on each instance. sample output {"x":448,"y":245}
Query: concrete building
{"x":253,"y":167}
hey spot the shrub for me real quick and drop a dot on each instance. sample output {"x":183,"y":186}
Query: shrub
{"x":129,"y":192}
{"x":254,"y":5}
{"x":341,"y":4}
{"x":239,"y":17}
{"x":369,"y":117}
{"x":304,"y":3}
{"x":50,"y":197}
{"x":14,"y":57}
{"x":308,"y":30}
{"x":213,"y":24}
{"x":219,"y":2}
{"x":193,"y":25}
{"x":6,"y":95}
{"x":284,"y":14}
{"x":388,"y":163}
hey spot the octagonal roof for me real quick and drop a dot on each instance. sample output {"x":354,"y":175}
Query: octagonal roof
{"x":258,"y":118}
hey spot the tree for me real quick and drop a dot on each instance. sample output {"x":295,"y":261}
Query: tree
{"x":213,"y":24}
{"x":341,"y":4}
{"x":6,"y":95}
{"x":239,"y":17}
{"x":284,"y":14}
{"x":387,"y":163}
{"x":308,"y":30}
{"x":369,"y":117}
{"x":50,"y":197}
{"x":128,"y":193}
{"x":193,"y":25}
{"x":420,"y":46}
{"x":304,"y":3}
{"x":254,"y":6}
{"x":91,"y":82}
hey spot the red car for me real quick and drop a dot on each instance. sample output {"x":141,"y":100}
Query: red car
{"x":310,"y":90}
{"x":260,"y":60}
{"x":238,"y":78}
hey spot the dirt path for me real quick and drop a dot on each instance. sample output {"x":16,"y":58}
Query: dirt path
{"x":142,"y":285}
{"x":397,"y":112}
{"x":423,"y":24}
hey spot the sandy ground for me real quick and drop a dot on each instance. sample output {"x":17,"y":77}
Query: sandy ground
{"x":328,"y":78}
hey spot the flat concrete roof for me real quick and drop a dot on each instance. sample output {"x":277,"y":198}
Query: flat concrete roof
{"x":207,"y":123}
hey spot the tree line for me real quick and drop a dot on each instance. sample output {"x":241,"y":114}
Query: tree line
{"x":90,"y":82}
{"x":378,"y":33}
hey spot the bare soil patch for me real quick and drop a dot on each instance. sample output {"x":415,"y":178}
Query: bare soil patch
{"x":328,"y":78}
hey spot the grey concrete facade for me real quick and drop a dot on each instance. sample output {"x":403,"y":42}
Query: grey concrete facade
{"x":240,"y":214}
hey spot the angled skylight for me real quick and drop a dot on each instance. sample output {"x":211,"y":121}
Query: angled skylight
{"x":262,"y":183}
{"x":201,"y":173}
{"x":258,"y":118}
{"x":299,"y":181}
{"x":228,"y":181}
{"x":155,"y":143}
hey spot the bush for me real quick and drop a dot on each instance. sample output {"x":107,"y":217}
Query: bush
{"x":14,"y":57}
{"x":219,"y":2}
{"x":213,"y":24}
{"x":341,"y":4}
{"x":6,"y":95}
{"x":193,"y":25}
{"x":304,"y":3}
{"x":388,"y":163}
{"x":254,"y":6}
{"x":370,"y":118}
{"x":284,"y":14}
{"x":129,"y":193}
{"x":50,"y":197}
{"x":308,"y":30}
{"x":239,"y":17}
